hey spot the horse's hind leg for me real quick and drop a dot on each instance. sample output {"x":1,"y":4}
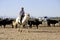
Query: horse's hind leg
{"x":16,"y":26}
{"x":12,"y":26}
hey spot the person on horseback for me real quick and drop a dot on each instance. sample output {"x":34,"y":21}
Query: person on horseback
{"x":22,"y":14}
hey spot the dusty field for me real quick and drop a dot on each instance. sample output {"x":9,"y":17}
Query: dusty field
{"x":43,"y":33}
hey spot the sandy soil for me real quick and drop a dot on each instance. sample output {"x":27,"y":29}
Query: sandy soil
{"x":43,"y":33}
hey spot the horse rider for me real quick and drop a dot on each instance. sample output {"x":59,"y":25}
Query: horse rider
{"x":22,"y":14}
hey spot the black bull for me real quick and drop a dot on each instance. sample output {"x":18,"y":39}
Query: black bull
{"x":51,"y":22}
{"x":34,"y":22}
{"x":5,"y":22}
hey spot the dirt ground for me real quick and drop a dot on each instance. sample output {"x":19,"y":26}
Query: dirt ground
{"x":42,"y":33}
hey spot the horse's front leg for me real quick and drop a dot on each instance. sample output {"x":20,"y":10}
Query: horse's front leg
{"x":23,"y":26}
{"x":19,"y":28}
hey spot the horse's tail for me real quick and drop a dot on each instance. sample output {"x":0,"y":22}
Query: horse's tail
{"x":14,"y":23}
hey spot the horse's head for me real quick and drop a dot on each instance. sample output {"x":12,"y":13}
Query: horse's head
{"x":26,"y":14}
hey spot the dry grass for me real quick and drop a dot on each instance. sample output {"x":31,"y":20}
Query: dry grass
{"x":43,"y":33}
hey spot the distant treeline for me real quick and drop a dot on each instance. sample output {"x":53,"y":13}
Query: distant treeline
{"x":7,"y":18}
{"x":55,"y":18}
{"x":52,"y":18}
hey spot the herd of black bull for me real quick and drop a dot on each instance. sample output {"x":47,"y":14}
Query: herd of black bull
{"x":52,"y":22}
{"x":36,"y":22}
{"x":5,"y":22}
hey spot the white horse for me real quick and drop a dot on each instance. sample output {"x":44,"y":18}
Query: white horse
{"x":24,"y":20}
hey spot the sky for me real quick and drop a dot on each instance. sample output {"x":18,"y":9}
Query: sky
{"x":36,"y":8}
